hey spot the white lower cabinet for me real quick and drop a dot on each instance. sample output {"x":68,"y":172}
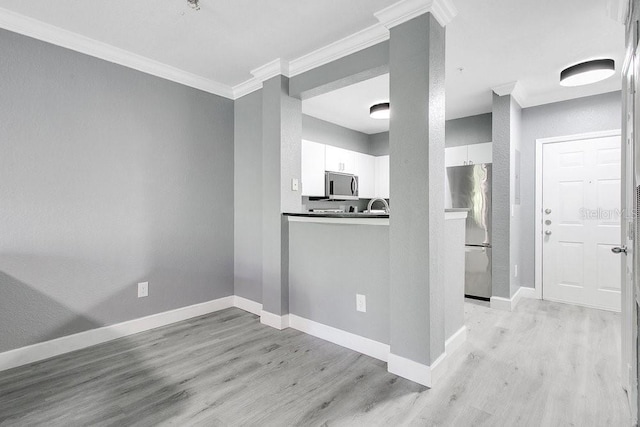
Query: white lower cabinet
{"x":312,"y":169}
{"x":365,"y":169}
{"x":382,"y":177}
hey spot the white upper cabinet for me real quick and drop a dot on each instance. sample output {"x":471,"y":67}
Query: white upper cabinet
{"x":468,"y":154}
{"x":340,"y":160}
{"x":480,"y":153}
{"x":365,"y":169}
{"x":312,"y":166}
{"x":382,"y":177}
{"x":455,"y":156}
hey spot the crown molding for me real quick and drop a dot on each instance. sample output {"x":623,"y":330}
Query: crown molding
{"x":514,"y":89}
{"x":265,"y":72}
{"x":271,"y":69}
{"x":33,"y":28}
{"x":618,"y":10}
{"x":363,"y":39}
{"x":443,"y":10}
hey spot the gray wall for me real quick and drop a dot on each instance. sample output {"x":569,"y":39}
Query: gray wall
{"x":248,"y":197}
{"x":317,"y":130}
{"x":324,"y":277}
{"x":468,"y":130}
{"x":464,"y":131}
{"x":501,"y":197}
{"x":281,"y":147}
{"x":356,"y":67}
{"x":108,"y":177}
{"x":416,"y":232}
{"x":454,"y":264}
{"x":589,"y":114}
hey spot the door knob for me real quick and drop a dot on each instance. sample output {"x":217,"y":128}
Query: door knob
{"x":547,"y":211}
{"x":548,"y":232}
{"x":619,"y":250}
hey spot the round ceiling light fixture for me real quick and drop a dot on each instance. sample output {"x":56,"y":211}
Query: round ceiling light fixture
{"x":195,"y":4}
{"x":379,"y":111}
{"x":587,"y":72}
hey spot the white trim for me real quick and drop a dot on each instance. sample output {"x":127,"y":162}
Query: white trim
{"x":353,"y":43}
{"x":508,"y":304}
{"x":58,"y":346}
{"x":274,"y":320}
{"x":514,"y":89}
{"x":443,"y":10}
{"x":332,"y":220}
{"x":30,"y":27}
{"x":417,"y":372}
{"x":455,"y":215}
{"x":456,"y":340}
{"x":271,"y":69}
{"x":342,"y":338}
{"x":540,"y":142}
{"x":247,"y":305}
{"x":246,"y":87}
{"x":499,"y":303}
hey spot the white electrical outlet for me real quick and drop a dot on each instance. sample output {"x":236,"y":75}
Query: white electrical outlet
{"x":294,"y":184}
{"x":143,"y":289}
{"x":515,"y":271}
{"x":361,"y":303}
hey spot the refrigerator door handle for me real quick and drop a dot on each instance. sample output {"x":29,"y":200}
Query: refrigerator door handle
{"x":481,"y":245}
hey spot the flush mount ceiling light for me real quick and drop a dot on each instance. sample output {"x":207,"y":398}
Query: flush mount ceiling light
{"x":379,"y":111}
{"x":587,"y":72}
{"x":195,"y":4}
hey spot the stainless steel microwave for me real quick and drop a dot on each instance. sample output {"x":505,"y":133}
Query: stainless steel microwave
{"x":340,"y":186}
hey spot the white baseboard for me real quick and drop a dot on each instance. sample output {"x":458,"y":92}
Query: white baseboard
{"x":247,"y":305}
{"x":455,"y":340}
{"x":342,"y":338}
{"x":509,"y":304}
{"x":417,"y":372}
{"x":44,"y":350}
{"x":274,"y":320}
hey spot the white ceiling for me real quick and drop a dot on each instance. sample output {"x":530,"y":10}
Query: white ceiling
{"x":222,"y":41}
{"x":494,"y":41}
{"x":497,"y":42}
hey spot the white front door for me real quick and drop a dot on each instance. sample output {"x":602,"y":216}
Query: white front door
{"x":581,"y":222}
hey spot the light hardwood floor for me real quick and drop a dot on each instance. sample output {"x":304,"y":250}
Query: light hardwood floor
{"x":545,"y":364}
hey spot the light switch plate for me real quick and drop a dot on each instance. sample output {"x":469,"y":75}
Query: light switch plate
{"x":294,"y":184}
{"x":143,"y":289}
{"x":361,"y":303}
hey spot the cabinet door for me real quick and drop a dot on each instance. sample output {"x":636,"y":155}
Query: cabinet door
{"x":312,"y":166}
{"x":365,"y":169}
{"x":382,"y":177}
{"x":455,"y":156}
{"x":480,"y":153}
{"x":339,"y":160}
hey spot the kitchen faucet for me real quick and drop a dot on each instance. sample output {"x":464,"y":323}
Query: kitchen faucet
{"x":372,"y":201}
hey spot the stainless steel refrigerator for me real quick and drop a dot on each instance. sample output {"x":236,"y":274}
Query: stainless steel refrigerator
{"x":470,"y":187}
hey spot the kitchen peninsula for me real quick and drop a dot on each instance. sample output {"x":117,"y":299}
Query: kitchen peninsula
{"x":335,"y":257}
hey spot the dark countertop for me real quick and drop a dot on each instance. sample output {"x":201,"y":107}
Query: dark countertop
{"x":352,"y":214}
{"x":337,"y":215}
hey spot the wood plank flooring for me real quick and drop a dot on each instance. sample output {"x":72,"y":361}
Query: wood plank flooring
{"x":545,"y":364}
